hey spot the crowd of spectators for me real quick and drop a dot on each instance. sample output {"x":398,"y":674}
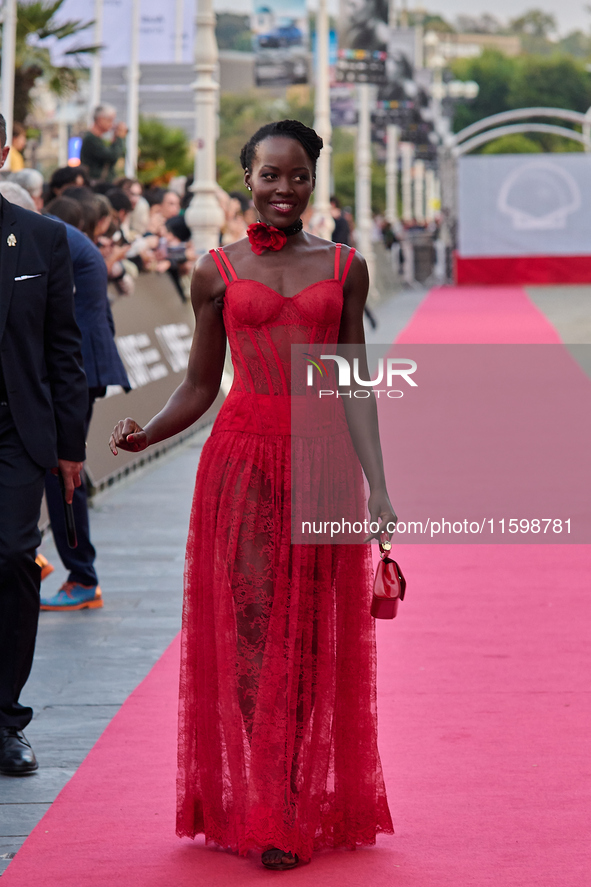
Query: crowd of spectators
{"x":142,"y":229}
{"x":136,"y":229}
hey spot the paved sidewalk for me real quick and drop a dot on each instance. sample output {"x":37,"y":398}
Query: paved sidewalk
{"x":568,"y":308}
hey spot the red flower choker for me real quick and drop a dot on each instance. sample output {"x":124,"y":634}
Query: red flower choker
{"x":262,"y":236}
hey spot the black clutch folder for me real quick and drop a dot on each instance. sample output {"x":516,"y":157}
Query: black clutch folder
{"x":69,"y":514}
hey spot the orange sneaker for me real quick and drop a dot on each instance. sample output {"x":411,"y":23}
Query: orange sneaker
{"x":73,"y":596}
{"x":46,"y":567}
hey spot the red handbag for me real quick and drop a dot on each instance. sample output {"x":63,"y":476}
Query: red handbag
{"x":388,"y":587}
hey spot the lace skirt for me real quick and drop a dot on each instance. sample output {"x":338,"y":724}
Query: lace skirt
{"x":278,"y":722}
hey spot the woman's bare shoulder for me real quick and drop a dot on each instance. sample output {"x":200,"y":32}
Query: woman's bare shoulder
{"x":356,"y":285}
{"x":319,"y":243}
{"x":238,"y":248}
{"x":206,"y":282}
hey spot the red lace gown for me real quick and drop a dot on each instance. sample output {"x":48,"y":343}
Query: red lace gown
{"x":278,"y":722}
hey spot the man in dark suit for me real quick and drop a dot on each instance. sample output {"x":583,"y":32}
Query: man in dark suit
{"x":43,"y":401}
{"x":103,"y":367}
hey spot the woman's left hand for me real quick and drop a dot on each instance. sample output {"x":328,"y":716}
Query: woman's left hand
{"x":381,"y":511}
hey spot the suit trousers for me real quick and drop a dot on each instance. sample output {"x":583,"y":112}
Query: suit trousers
{"x":21,"y":491}
{"x":78,"y":561}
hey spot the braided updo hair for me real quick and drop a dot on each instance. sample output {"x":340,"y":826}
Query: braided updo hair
{"x":291,"y":129}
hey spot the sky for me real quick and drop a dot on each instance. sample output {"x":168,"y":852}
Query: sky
{"x":570,"y":14}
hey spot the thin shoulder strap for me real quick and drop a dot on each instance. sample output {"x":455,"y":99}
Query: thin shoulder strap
{"x":233,"y":274}
{"x":337,"y":261}
{"x":221,"y":259}
{"x":214,"y":254}
{"x":347,"y":265}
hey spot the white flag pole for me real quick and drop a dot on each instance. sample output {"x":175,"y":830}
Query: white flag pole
{"x":8,"y":59}
{"x":133,"y":83}
{"x":96,"y":65}
{"x":407,"y":154}
{"x":392,"y":140}
{"x":324,"y":221}
{"x":419,"y":191}
{"x":363,"y":214}
{"x":178,"y":31}
{"x":430,"y":195}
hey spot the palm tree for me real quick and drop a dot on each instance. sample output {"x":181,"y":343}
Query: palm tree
{"x":36,"y":30}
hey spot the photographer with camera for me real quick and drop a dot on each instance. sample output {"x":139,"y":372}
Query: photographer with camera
{"x":96,"y":154}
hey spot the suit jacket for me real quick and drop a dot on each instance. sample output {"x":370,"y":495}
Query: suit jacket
{"x":39,"y":339}
{"x":102,"y":363}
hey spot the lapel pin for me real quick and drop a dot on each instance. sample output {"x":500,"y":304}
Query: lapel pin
{"x":11,"y":240}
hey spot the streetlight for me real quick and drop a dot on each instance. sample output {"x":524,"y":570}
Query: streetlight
{"x":443,"y":186}
{"x":392,"y":148}
{"x":96,"y":64}
{"x":204,"y":215}
{"x":8,"y":58}
{"x":324,"y":221}
{"x":133,"y":85}
{"x":363,"y":214}
{"x":440,"y":89}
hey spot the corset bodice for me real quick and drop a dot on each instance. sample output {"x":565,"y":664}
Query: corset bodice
{"x":261,"y":326}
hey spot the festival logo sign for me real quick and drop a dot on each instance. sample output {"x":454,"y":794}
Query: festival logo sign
{"x":513,"y":205}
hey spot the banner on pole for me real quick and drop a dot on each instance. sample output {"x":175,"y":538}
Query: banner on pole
{"x":402,"y":53}
{"x":363,"y":41}
{"x":158,"y":32}
{"x":398,"y":96}
{"x":281,"y":41}
{"x":403,"y":94}
{"x":333,"y":45}
{"x":343,"y":105}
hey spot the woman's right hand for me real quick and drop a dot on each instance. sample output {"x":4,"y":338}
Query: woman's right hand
{"x":128,"y":435}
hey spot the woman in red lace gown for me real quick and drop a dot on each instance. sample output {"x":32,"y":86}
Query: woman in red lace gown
{"x":278,"y":725}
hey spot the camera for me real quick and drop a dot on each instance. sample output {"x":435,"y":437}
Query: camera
{"x":177,"y":254}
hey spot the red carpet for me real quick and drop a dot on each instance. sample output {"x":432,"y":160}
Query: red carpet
{"x":484,"y":721}
{"x":498,"y":427}
{"x":479,"y":315}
